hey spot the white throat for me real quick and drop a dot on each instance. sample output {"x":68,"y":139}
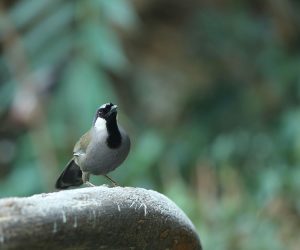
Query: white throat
{"x":100,"y":124}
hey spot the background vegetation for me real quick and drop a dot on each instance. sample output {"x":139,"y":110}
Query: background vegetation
{"x":208,"y":90}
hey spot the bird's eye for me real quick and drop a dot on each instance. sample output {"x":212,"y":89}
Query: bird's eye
{"x":103,"y":111}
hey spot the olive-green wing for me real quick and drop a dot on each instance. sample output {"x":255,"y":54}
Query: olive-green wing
{"x":81,"y":145}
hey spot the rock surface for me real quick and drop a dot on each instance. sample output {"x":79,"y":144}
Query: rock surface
{"x":95,"y":218}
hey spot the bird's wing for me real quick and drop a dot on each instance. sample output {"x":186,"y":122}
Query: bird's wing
{"x":81,"y":145}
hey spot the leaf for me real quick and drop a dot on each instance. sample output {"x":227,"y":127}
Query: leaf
{"x":119,"y":12}
{"x":49,"y":28}
{"x":25,"y":11}
{"x":102,"y":45}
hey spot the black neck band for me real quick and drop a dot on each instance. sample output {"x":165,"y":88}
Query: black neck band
{"x":114,"y":138}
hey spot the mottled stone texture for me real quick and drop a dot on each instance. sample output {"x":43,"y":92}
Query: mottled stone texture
{"x":95,"y":218}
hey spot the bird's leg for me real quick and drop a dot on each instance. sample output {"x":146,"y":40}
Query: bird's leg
{"x":112,"y":181}
{"x":85,"y":179}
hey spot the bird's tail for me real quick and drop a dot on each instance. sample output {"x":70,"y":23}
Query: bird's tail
{"x":71,"y":176}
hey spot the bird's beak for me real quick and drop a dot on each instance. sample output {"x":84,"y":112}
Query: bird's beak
{"x":113,"y":109}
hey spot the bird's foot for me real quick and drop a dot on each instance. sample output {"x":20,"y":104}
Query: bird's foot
{"x":115,"y":184}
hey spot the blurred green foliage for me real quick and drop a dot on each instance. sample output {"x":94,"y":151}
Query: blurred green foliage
{"x":208,"y":90}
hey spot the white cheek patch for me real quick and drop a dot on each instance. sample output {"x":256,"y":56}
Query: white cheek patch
{"x":100,"y":124}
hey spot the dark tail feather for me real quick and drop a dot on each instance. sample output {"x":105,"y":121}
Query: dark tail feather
{"x":71,"y":176}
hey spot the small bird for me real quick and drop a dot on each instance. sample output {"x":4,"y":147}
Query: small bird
{"x":99,"y":151}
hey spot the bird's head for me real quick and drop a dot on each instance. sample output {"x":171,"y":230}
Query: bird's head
{"x":105,"y":113}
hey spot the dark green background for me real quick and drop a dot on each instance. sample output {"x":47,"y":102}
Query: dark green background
{"x":209,"y":92}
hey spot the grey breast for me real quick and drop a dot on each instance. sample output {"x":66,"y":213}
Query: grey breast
{"x":100,"y":159}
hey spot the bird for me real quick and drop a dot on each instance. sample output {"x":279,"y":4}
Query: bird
{"x":99,"y":151}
